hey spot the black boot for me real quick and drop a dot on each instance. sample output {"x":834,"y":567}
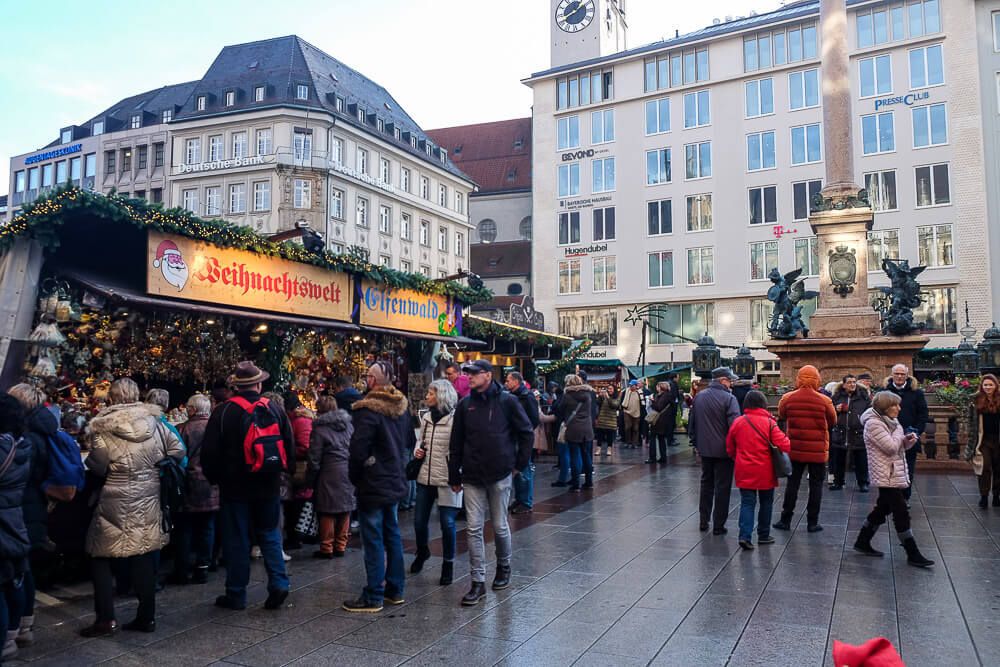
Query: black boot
{"x":418,"y":562}
{"x":475,"y":594}
{"x":996,"y":499}
{"x":447,"y":572}
{"x":913,"y":555}
{"x":984,"y":501}
{"x":502,"y":578}
{"x":864,"y":542}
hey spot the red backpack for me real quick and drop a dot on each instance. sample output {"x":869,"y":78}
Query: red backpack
{"x":263,"y":446}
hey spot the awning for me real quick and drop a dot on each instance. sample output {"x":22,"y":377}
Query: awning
{"x":128,"y":295}
{"x":655,"y":370}
{"x":454,"y":340}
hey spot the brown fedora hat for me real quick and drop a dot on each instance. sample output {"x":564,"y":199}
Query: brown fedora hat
{"x":247,"y":374}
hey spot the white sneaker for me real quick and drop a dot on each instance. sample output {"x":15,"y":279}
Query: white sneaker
{"x":285,"y":556}
{"x":255,"y":553}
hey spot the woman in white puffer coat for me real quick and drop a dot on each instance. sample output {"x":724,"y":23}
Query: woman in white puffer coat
{"x":886,"y":445}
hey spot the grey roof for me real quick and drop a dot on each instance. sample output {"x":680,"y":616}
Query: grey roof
{"x":802,"y":9}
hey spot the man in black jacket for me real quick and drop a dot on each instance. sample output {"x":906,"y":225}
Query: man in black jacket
{"x":249,"y":500}
{"x":491,"y":438}
{"x":913,"y":413}
{"x":524,"y":485}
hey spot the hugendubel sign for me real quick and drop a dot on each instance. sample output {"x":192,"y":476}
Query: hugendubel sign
{"x":182,"y":268}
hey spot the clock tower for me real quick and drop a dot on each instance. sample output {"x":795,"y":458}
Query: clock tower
{"x":585,"y":29}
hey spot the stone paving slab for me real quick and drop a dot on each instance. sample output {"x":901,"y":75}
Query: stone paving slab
{"x":620,"y":575}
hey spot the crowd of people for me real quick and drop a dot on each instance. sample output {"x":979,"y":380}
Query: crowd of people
{"x":259,"y":468}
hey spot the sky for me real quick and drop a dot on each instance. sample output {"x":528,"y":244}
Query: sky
{"x":447,"y":62}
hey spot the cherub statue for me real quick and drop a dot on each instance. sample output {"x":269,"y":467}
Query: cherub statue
{"x":786,"y":293}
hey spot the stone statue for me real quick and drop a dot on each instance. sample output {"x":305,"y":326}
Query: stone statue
{"x":786,"y":293}
{"x":903,"y":296}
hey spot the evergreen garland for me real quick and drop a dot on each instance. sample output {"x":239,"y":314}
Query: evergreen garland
{"x":475,"y":327}
{"x":565,"y":365}
{"x":41,"y":219}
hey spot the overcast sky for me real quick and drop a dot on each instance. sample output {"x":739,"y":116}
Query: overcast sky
{"x":448,"y":62}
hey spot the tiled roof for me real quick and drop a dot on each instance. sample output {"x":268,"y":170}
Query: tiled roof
{"x":496,"y":155}
{"x":500,"y":260}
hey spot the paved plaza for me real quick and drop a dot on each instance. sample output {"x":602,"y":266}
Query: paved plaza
{"x":619,"y":576}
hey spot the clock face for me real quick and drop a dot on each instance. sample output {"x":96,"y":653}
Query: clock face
{"x":574,"y":15}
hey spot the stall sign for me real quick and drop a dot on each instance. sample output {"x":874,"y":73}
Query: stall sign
{"x":183,"y":268}
{"x":406,"y":310}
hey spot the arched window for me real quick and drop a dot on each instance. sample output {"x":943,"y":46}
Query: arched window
{"x":515,"y":289}
{"x":487,"y":231}
{"x":524,"y":229}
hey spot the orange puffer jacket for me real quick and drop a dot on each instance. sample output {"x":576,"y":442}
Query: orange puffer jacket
{"x":808,"y":417}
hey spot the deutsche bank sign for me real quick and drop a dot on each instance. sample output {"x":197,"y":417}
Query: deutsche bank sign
{"x":909,"y":99}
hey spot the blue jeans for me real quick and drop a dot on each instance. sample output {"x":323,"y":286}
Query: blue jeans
{"x":581,"y":462}
{"x":14,"y":602}
{"x":383,"y":548}
{"x":562,"y":451}
{"x":748,"y":503}
{"x":524,"y":486}
{"x":426,"y":497}
{"x":193,"y":539}
{"x":238,"y":518}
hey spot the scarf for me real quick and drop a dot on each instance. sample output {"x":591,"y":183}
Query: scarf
{"x":436,"y":414}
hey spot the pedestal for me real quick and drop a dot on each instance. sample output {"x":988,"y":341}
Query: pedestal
{"x":836,"y":357}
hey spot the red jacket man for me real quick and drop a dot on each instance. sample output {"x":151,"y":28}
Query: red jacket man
{"x":808,"y":416}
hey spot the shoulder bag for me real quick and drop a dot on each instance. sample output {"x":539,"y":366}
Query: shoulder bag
{"x":414,"y":465}
{"x":562,"y":427}
{"x":780,"y":462}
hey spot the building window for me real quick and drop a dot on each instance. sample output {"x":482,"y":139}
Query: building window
{"x":881,"y":25}
{"x":215,"y":148}
{"x":763,"y":258}
{"x":878,"y":133}
{"x":779,"y":47}
{"x":459,"y":202}
{"x":569,"y":179}
{"x":803,"y":194}
{"x":760,"y":151}
{"x":442,"y":195}
{"x":337,"y":151}
{"x":760,"y":319}
{"x":699,"y":213}
{"x":934,"y":246}
{"x":425,"y":187}
{"x":676,"y":69}
{"x":930,"y":126}
{"x":189,"y":200}
{"x":586,"y":88}
{"x":763,"y":205}
{"x":881,"y":187}
{"x":61,"y":171}
{"x":569,"y":228}
{"x":923,"y":18}
{"x":996,"y":32}
{"x":661,"y":269}
{"x":658,"y":166}
{"x":882,"y":244}
{"x":385,"y":260}
{"x":301,"y":92}
{"x":192,"y":151}
{"x":74,"y":169}
{"x":302,"y":146}
{"x":698,"y":160}
{"x":937,"y":311}
{"x":404,"y":179}
{"x":47,"y":179}
{"x":167,"y":116}
{"x":337,"y":204}
{"x":66,"y":136}
{"x":142,"y":157}
{"x":425,"y":270}
{"x":200,"y":103}
{"x":807,"y":255}
{"x":33,"y":173}
{"x":932,"y":185}
{"x":264,"y":141}
{"x":157,"y":195}
{"x":262,"y":196}
{"x":605,"y":279}
{"x":379,"y":124}
{"x":135,"y":122}
{"x":604,"y":175}
{"x":213,"y":201}
{"x":876,"y":75}
{"x":258,"y":94}
{"x":487,"y":230}
{"x":425,"y":233}
{"x":602,"y":126}
{"x":361,"y":212}
{"x":697,"y":109}
{"x":604,"y":224}
{"x":405,"y":266}
{"x":659,"y":217}
{"x":362,"y":115}
{"x":230,"y":98}
{"x":158,"y":154}
{"x":239,"y":144}
{"x":459,"y":244}
{"x":569,"y":276}
{"x":238,"y":198}
{"x":97,"y":128}
{"x":597,"y":325}
{"x":759,"y":97}
{"x":385,"y":219}
{"x":19,"y":182}
{"x":302,"y":197}
{"x":803,"y":89}
{"x":701,"y":266}
{"x":658,"y":116}
{"x":524,"y":228}
{"x":109,"y":166}
{"x":383,"y":170}
{"x":690,"y":320}
{"x":806,"y":144}
{"x":90,"y":166}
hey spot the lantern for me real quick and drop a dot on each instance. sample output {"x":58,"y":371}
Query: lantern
{"x":706,"y":357}
{"x":744,"y":365}
{"x":989,"y":351}
{"x":965,"y":360}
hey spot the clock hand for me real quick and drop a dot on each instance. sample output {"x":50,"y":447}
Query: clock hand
{"x":567,"y":13}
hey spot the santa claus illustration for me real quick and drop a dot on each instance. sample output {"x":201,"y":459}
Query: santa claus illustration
{"x":171,"y":264}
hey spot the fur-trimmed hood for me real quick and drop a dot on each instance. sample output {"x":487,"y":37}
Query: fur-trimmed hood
{"x":580,"y":387}
{"x":387,"y":401}
{"x":911,"y":383}
{"x":837,"y":388}
{"x":300,"y":412}
{"x":338,"y":420}
{"x":135,"y":422}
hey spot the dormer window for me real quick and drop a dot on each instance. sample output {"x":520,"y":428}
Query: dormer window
{"x":66,"y":136}
{"x":361,"y":114}
{"x":428,"y":148}
{"x":413,"y":141}
{"x":519,"y":143}
{"x":97,"y":128}
{"x":457,"y":150}
{"x":258,"y":94}
{"x":200,"y":103}
{"x":444,"y":156}
{"x":135,"y":122}
{"x":230,"y":98}
{"x":380,"y":124}
{"x":301,"y":92}
{"x":339,"y":103}
{"x":397,"y":133}
{"x":168,"y":115}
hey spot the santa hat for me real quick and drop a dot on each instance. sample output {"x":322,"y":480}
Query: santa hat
{"x":877,"y":652}
{"x":167,"y":247}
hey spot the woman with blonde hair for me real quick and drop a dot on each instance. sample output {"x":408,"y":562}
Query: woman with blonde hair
{"x":985,"y":456}
{"x":128,"y":441}
{"x":575,"y":411}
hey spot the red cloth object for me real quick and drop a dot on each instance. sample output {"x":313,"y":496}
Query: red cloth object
{"x":877,"y":652}
{"x":461,"y":385}
{"x":301,"y":419}
{"x":808,"y":417}
{"x":750,"y":449}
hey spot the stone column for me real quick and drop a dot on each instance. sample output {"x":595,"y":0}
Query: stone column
{"x":838,"y":141}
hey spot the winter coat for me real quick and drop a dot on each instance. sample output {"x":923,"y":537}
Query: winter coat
{"x":913,"y":412}
{"x":202,"y":495}
{"x":632,"y":403}
{"x":751,"y":449}
{"x":848,"y":432}
{"x":713,"y":412}
{"x":664,"y":403}
{"x":973,"y":450}
{"x":14,"y":542}
{"x":347,"y":397}
{"x":329,"y":456}
{"x":435,"y":440}
{"x":301,"y":419}
{"x":740,"y":390}
{"x":41,"y":426}
{"x":461,"y":385}
{"x":808,"y":417}
{"x":528,"y":402}
{"x":223,"y":459}
{"x":380,"y":447}
{"x":490,"y":438}
{"x":128,"y":441}
{"x":607,"y":413}
{"x":886,"y":445}
{"x":575,"y":412}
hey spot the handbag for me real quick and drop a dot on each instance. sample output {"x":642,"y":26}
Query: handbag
{"x":562,"y":427}
{"x":308,"y":524}
{"x":653,"y":416}
{"x":414,"y":465}
{"x":780,"y":461}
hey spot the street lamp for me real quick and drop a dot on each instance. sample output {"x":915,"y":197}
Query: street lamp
{"x":744,"y":365}
{"x":989,"y":351}
{"x":965,"y":360}
{"x":706,"y":357}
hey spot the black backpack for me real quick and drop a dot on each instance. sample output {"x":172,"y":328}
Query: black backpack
{"x":172,"y":491}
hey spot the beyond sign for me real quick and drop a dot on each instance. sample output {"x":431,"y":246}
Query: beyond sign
{"x":907,"y":99}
